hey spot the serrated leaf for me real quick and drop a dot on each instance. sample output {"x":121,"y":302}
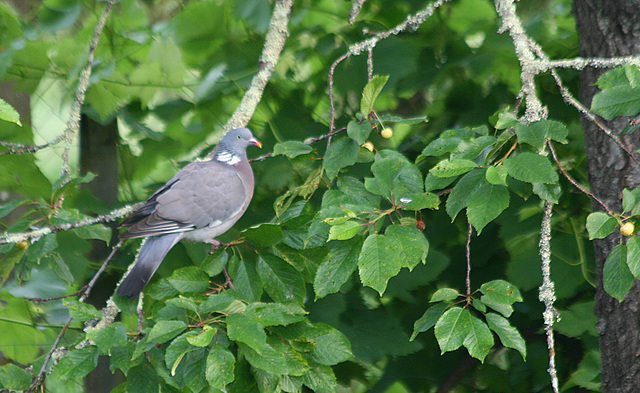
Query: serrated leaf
{"x":480,"y":340}
{"x":509,"y":336}
{"x":291,"y":149}
{"x":600,"y":225}
{"x":503,"y":308}
{"x":340,"y":154}
{"x":344,"y":231}
{"x":331,"y":346}
{"x":617,"y":101}
{"x":371,"y":92}
{"x":337,"y":267}
{"x":247,"y":330}
{"x":461,"y":192}
{"x":114,"y":335}
{"x":531,"y":168}
{"x":410,"y":242}
{"x":99,"y":232}
{"x":275,"y":314}
{"x":452,"y":328}
{"x":455,"y":167}
{"x":359,"y":132}
{"x":486,"y":203}
{"x":617,"y":278}
{"x":264,"y":235}
{"x":281,"y":281}
{"x":8,"y":113}
{"x":378,"y":262}
{"x":189,"y":279}
{"x":320,"y":379}
{"x":501,"y":291}
{"x":497,"y":175}
{"x":537,"y":132}
{"x":204,"y":337}
{"x":220,"y":367}
{"x":428,"y":319}
{"x":399,"y":181}
{"x":14,"y":378}
{"x":633,"y":255}
{"x":444,"y":295}
{"x":81,"y":311}
{"x":164,"y":331}
{"x":78,"y":363}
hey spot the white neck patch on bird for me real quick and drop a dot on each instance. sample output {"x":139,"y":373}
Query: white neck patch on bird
{"x":228,"y":157}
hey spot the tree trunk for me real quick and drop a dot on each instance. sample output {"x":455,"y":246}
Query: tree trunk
{"x":610,"y":28}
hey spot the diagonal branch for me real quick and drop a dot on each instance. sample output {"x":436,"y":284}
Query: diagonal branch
{"x":73,"y":125}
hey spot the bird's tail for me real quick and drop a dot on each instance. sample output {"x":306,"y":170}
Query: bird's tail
{"x":150,"y":256}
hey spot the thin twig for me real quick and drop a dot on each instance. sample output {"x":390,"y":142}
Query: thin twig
{"x":18,"y":148}
{"x":547,"y":292}
{"x":575,"y":183}
{"x":73,"y":125}
{"x":40,"y":377}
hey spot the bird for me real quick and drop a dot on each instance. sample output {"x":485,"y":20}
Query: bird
{"x":202,"y":201}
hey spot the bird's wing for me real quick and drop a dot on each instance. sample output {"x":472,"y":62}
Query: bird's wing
{"x":203,"y":193}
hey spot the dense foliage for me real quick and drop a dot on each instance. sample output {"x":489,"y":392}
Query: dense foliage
{"x":350,"y":268}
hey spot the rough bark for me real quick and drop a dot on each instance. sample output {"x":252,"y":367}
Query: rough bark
{"x":610,"y":28}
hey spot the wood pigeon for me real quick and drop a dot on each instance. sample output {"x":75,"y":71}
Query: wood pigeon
{"x":203,"y":200}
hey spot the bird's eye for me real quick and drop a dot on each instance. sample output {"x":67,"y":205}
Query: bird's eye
{"x":238,"y":136}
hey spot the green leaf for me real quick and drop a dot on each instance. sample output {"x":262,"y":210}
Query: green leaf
{"x":486,"y":203}
{"x":264,"y":235}
{"x":410,"y":243}
{"x":501,"y":291}
{"x":428,"y":319}
{"x":142,"y":379}
{"x":359,"y":131}
{"x":10,"y":205}
{"x":340,"y":154}
{"x":189,"y":279}
{"x":480,"y":340}
{"x":617,"y":101}
{"x":600,"y":225}
{"x":331,"y":346}
{"x":444,"y":295}
{"x":9,"y":114}
{"x":220,"y":367}
{"x":78,"y":362}
{"x":245,"y":278}
{"x":291,"y":149}
{"x":503,"y":308}
{"x":204,"y":337}
{"x":337,"y":267}
{"x":344,"y":231}
{"x":114,"y":335}
{"x":281,"y":281}
{"x":320,"y":379}
{"x":633,"y":255}
{"x":81,"y":311}
{"x":548,"y":192}
{"x":537,"y":133}
{"x":184,"y":303}
{"x":455,"y":167}
{"x":164,"y":331}
{"x":99,"y":232}
{"x":247,"y":330}
{"x":378,"y":262}
{"x":371,"y":92}
{"x":509,"y":336}
{"x":617,"y":278}
{"x":497,"y":175}
{"x":452,"y":328}
{"x":461,"y":192}
{"x":531,"y":168}
{"x":14,"y":378}
{"x":275,"y":314}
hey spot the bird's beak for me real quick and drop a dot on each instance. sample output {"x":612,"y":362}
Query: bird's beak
{"x":255,"y":142}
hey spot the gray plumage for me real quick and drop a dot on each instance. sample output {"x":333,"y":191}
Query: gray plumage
{"x":203,"y":200}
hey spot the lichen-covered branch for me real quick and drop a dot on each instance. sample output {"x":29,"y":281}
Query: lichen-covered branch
{"x":73,"y":124}
{"x":274,"y":43}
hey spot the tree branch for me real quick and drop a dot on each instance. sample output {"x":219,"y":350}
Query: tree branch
{"x":274,"y":43}
{"x":73,"y":125}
